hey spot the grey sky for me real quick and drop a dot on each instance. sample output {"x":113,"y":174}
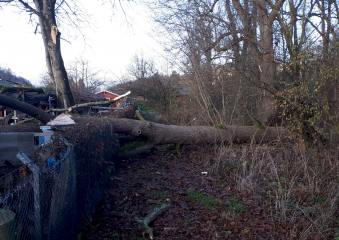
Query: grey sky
{"x":108,"y":42}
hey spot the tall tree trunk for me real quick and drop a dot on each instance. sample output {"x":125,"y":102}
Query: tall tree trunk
{"x":247,"y":54}
{"x":267,"y":72}
{"x":54,"y":60}
{"x":267,"y":66}
{"x":330,"y":57}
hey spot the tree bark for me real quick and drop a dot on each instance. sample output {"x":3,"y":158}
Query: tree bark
{"x":54,"y":60}
{"x":25,"y":108}
{"x":159,"y":133}
{"x":267,"y":66}
{"x":167,"y":134}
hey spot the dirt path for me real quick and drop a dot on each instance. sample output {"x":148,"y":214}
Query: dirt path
{"x":202,"y":206}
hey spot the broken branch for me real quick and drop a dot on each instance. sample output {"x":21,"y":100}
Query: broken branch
{"x":90,"y":104}
{"x":145,"y":222}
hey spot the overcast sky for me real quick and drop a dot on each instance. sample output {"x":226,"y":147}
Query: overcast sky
{"x":108,"y":42}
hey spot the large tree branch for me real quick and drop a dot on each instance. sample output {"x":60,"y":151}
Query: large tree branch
{"x":241,"y":11}
{"x":220,"y":38}
{"x":25,"y":108}
{"x":275,"y":9}
{"x":90,"y":104}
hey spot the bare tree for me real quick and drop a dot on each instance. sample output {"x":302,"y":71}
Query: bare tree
{"x":46,"y":12}
{"x":83,"y":77}
{"x":256,"y":50}
{"x":141,"y":68}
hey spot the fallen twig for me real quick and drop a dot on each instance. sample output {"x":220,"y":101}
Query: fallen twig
{"x":25,"y":120}
{"x":144,"y":223}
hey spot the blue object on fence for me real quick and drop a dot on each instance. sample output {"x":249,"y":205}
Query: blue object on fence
{"x":47,"y":133}
{"x":41,"y":140}
{"x":52,"y":162}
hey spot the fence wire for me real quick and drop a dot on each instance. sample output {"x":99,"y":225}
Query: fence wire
{"x":38,"y":201}
{"x":16,"y":206}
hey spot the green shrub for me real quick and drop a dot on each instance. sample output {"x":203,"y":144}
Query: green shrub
{"x":304,"y":110}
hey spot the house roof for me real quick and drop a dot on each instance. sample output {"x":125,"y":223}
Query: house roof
{"x":107,"y":92}
{"x":85,"y":96}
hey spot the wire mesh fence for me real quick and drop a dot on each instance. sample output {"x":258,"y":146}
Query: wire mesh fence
{"x":54,"y":189}
{"x":38,"y":201}
{"x":16,"y":206}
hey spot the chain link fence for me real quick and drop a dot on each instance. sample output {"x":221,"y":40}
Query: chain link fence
{"x":38,"y":200}
{"x":17,"y":206}
{"x":51,"y":191}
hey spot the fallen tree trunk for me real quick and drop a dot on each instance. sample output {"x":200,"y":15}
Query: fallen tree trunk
{"x":25,"y":108}
{"x":166,"y":134}
{"x":160,"y":133}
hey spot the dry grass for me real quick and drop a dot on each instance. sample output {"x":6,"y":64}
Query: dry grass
{"x":294,"y":185}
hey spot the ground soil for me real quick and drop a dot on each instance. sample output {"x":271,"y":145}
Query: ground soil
{"x":202,"y":205}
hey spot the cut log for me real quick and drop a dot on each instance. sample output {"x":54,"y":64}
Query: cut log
{"x":167,"y":134}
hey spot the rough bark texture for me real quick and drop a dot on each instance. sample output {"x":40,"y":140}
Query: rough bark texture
{"x":166,"y":134}
{"x":267,"y":65}
{"x":54,"y":60}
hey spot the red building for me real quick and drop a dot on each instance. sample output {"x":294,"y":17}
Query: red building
{"x":107,"y":94}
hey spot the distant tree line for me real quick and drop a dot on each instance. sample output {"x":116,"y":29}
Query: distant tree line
{"x":258,"y":61}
